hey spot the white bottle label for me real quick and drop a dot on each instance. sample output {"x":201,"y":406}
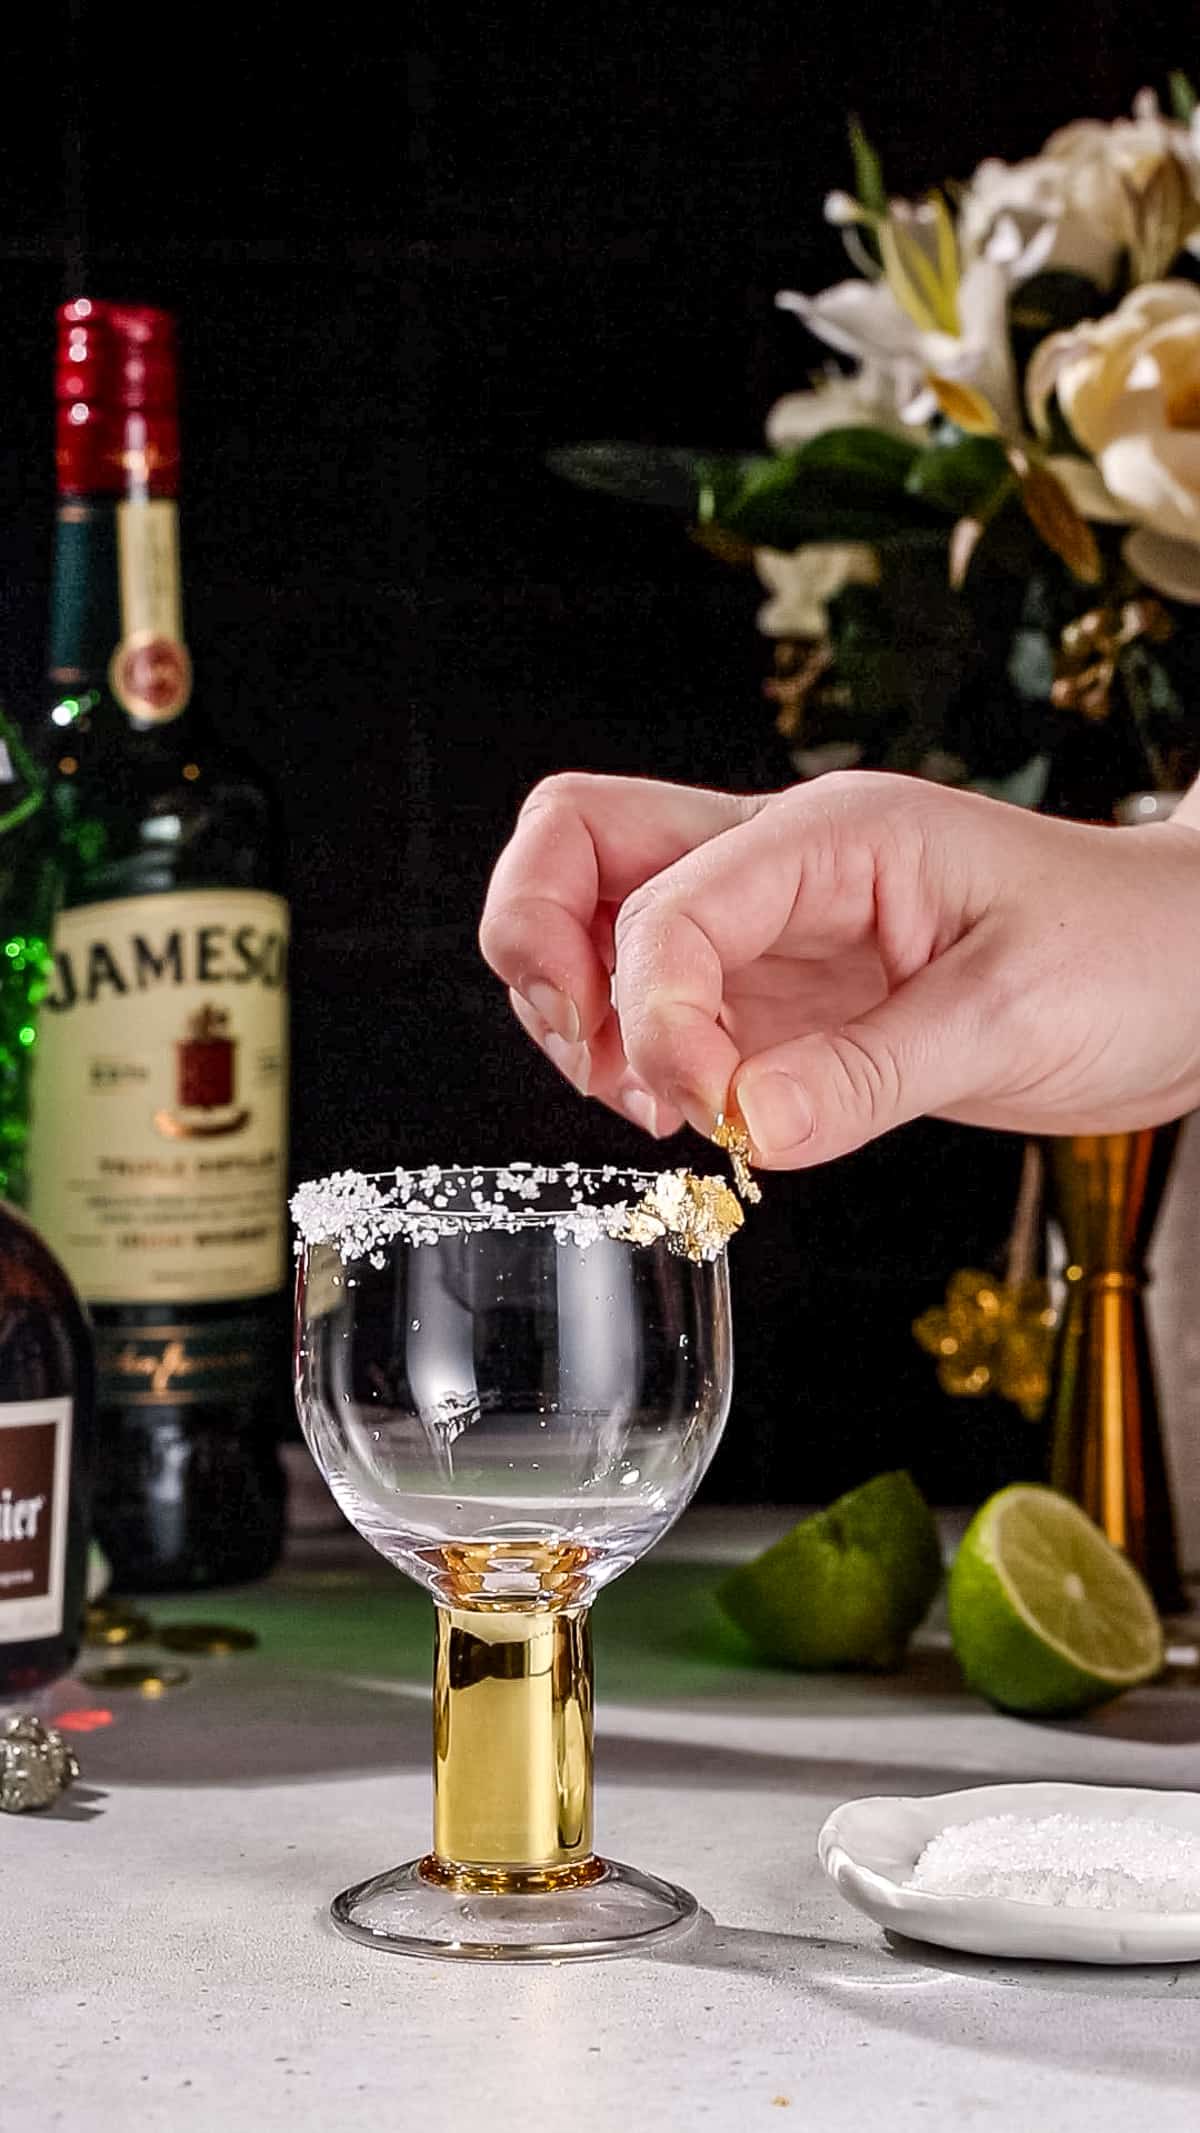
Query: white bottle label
{"x":158,"y":1141}
{"x":35,"y":1483}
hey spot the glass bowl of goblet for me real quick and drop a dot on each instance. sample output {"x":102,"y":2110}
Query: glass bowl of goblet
{"x":512,"y":1390}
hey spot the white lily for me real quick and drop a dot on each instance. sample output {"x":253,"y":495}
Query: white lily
{"x":836,"y":400}
{"x":923,"y":320}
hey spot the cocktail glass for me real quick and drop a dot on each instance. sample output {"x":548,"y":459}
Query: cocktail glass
{"x":512,"y":1401}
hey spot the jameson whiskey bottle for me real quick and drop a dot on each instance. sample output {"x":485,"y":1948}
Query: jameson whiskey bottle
{"x":47,"y":1440}
{"x":158,"y":1135}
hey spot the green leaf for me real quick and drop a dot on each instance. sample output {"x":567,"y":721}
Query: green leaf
{"x":1183,"y":97}
{"x":966,"y":477}
{"x":669,"y":479}
{"x":879,"y":456}
{"x":868,"y":172}
{"x":846,"y":485}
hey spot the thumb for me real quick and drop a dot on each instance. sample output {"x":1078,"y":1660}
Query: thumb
{"x":823,"y":1095}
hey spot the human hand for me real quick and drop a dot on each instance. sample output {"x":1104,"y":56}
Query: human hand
{"x":848,"y":954}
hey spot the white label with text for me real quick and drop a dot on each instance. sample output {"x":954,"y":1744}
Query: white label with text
{"x":158,"y":1142}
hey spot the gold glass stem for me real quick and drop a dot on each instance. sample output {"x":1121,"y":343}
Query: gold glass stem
{"x":512,"y":1748}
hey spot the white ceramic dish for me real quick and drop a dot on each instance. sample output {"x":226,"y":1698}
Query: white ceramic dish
{"x":869,"y":1848}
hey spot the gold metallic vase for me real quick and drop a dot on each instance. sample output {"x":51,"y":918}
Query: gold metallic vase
{"x":1106,"y":1441}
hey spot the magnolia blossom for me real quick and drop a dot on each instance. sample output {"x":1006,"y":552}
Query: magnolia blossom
{"x":835,"y":401}
{"x":803,"y":583}
{"x":1095,"y":194}
{"x":1129,"y":385}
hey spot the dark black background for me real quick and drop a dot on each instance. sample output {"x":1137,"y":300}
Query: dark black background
{"x":410,"y":252}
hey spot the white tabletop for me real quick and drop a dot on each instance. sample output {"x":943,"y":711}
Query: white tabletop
{"x":166,"y":1961}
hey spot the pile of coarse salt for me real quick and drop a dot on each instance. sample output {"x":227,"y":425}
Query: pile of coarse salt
{"x":1078,"y":1862}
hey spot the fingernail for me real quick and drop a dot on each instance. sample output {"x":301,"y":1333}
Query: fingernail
{"x":573,"y":1060}
{"x":557,"y":1010}
{"x":695,"y":1110}
{"x":776,"y":1111}
{"x":639,"y":1105}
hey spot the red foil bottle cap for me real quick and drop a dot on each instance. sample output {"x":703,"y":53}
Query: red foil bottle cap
{"x":145,"y":375}
{"x":82,"y":392}
{"x":145,"y":399}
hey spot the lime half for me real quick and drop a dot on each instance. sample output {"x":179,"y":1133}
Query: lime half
{"x":846,"y":1587}
{"x":1046,"y":1615}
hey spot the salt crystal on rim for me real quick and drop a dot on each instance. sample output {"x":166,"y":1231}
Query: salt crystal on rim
{"x":359,"y":1218}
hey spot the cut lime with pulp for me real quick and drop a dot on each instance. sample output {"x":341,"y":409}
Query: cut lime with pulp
{"x":846,"y":1587}
{"x":1047,"y":1617}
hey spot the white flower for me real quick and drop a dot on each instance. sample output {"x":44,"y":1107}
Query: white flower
{"x":836,"y":401}
{"x":922,"y":318}
{"x":1129,"y":385}
{"x":1084,"y":484}
{"x":1096,"y":193}
{"x":866,"y":319}
{"x":803,"y":583}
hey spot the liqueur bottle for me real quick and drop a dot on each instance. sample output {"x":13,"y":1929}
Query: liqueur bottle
{"x":157,"y":1155}
{"x":46,"y":1448}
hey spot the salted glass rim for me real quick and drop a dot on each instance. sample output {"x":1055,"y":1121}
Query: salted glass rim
{"x":541,"y":1173}
{"x":350,"y":1213}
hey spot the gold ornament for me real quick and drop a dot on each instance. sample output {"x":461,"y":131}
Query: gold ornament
{"x":105,"y":1623}
{"x":992,"y":1336}
{"x":1090,"y":649}
{"x":148,"y":1680}
{"x":216,"y":1640}
{"x":803,"y":666}
{"x":36,"y":1764}
{"x":996,"y":1333}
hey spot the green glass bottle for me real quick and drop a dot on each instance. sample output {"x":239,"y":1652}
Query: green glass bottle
{"x":158,"y":1140}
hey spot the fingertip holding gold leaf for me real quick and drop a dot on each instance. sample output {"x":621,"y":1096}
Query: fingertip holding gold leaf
{"x":730,"y":1134}
{"x":697,"y":1216}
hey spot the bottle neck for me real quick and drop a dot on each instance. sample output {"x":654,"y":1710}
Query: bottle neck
{"x":116,"y":631}
{"x":116,"y":635}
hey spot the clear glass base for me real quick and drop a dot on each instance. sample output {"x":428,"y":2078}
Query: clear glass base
{"x":412,"y":1911}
